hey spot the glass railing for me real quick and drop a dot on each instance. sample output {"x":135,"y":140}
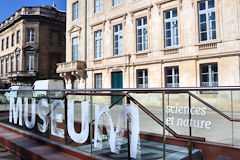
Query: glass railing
{"x":127,"y":123}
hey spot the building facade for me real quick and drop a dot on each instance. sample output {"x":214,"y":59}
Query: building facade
{"x":152,"y":43}
{"x":32,"y":43}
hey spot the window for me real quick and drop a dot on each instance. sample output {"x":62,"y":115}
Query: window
{"x":98,"y":80}
{"x":11,"y":63}
{"x":207,"y":21}
{"x":7,"y":62}
{"x":7,"y":42}
{"x":172,"y":77}
{"x":75,"y":49}
{"x":98,"y":6}
{"x":142,"y":78}
{"x":98,"y":44}
{"x":74,"y":83}
{"x":116,"y":2}
{"x":2,"y":44}
{"x":18,"y":37}
{"x":30,"y":62}
{"x":17,"y":63}
{"x":209,"y":75}
{"x":75,"y":11}
{"x":1,"y":66}
{"x":171,"y":28}
{"x":142,"y":37}
{"x":12,"y":42}
{"x":118,"y":40}
{"x":30,"y":35}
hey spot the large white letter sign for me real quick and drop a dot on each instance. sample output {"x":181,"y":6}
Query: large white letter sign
{"x":115,"y":138}
{"x":14,"y":110}
{"x":43,"y":115}
{"x":56,"y":118}
{"x":104,"y":113}
{"x":29,"y":124}
{"x":134,"y":124}
{"x":83,"y":135}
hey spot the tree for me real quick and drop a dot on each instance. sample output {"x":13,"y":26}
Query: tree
{"x":3,"y":84}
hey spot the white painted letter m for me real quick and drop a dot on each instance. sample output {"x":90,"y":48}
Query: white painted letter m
{"x":14,"y":110}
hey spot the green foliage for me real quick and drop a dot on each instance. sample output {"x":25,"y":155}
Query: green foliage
{"x":4,"y":84}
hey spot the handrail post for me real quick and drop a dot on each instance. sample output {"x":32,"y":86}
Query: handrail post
{"x":128,"y":100}
{"x":190,"y":129}
{"x":164,"y":125}
{"x":91,"y":122}
{"x":49,"y":113}
{"x":232,"y":117}
{"x":128,"y":133}
{"x":66,"y":115}
{"x":128,"y":136}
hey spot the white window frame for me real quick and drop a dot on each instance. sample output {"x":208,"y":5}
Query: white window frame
{"x":7,"y":42}
{"x":12,"y":61}
{"x":118,"y":39}
{"x":174,"y":36}
{"x":12,"y":40}
{"x":7,"y":63}
{"x":144,"y":77}
{"x":174,"y":76}
{"x":2,"y":44}
{"x":209,"y":29}
{"x":18,"y":37}
{"x":17,"y":63}
{"x":98,"y":44}
{"x":211,"y":74}
{"x":30,"y":35}
{"x":117,"y":2}
{"x":75,"y":43}
{"x":143,"y":36}
{"x":75,"y":10}
{"x":30,"y":62}
{"x":98,"y":80}
{"x":2,"y":66}
{"x":98,"y":6}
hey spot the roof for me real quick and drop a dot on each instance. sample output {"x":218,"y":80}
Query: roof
{"x":45,"y":11}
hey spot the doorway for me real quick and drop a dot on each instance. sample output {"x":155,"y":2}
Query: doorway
{"x":117,"y":82}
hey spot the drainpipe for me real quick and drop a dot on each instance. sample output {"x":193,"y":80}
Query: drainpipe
{"x":85,"y":73}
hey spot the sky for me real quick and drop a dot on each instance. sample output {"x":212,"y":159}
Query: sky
{"x":9,"y":7}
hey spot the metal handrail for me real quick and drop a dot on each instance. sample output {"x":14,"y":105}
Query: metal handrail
{"x":152,"y":90}
{"x":145,"y":110}
{"x":138,"y":90}
{"x":156,"y":119}
{"x":213,"y":108}
{"x":98,"y":94}
{"x":186,"y":90}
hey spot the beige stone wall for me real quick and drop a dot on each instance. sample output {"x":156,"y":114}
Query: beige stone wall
{"x":75,"y":29}
{"x":188,"y":55}
{"x":46,"y":54}
{"x":11,"y":49}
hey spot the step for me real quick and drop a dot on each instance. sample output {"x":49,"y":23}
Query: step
{"x":6,"y":154}
{"x":29,"y":149}
{"x":149,"y":151}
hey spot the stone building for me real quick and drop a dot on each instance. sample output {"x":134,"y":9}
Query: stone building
{"x":32,"y":41}
{"x":152,"y":43}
